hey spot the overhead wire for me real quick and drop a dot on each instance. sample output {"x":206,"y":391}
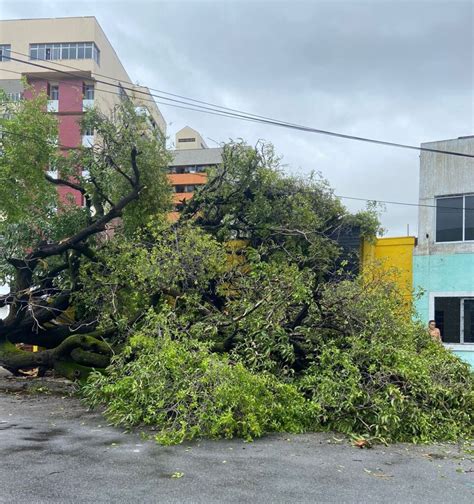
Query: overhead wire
{"x":241,"y":115}
{"x":251,"y":117}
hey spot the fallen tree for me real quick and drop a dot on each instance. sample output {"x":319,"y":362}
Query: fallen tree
{"x":241,"y":318}
{"x":47,"y":238}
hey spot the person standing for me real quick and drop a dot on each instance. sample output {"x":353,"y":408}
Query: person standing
{"x":434,"y":331}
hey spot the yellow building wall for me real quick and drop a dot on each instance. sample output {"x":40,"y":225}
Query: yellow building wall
{"x":393,"y":257}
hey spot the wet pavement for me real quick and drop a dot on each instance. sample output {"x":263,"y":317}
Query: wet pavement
{"x":54,"y":451}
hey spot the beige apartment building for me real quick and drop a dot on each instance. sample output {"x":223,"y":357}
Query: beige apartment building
{"x":81,"y":44}
{"x":188,"y":169}
{"x":72,"y":60}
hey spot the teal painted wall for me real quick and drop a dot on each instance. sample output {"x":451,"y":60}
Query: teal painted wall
{"x":467,"y":356}
{"x":443,"y":273}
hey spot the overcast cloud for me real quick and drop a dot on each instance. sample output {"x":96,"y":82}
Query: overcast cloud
{"x":398,"y":71}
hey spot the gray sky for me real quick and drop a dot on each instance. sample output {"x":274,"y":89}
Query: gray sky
{"x":392,"y":70}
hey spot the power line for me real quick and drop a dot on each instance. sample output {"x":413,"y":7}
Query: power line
{"x":403,"y":203}
{"x":204,"y":110}
{"x":152,"y":89}
{"x":388,"y":202}
{"x":252,"y":117}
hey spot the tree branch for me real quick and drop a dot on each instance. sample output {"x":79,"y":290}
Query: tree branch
{"x":96,"y":227}
{"x":67,"y":183}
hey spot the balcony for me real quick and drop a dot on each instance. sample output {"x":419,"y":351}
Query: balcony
{"x":53,"y":105}
{"x":87,"y":140}
{"x":87,"y":105}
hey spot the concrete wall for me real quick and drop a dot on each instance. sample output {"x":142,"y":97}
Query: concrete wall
{"x":392,"y":257}
{"x":444,"y":276}
{"x":443,"y":269}
{"x":443,"y":175}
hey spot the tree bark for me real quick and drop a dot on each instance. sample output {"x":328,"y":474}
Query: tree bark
{"x":83,"y":350}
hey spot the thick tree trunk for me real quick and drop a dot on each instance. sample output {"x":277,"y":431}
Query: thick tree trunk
{"x":74,"y":358}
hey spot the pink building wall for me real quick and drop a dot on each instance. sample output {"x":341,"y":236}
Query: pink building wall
{"x":69,"y":116}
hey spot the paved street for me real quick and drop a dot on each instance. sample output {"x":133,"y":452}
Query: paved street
{"x":52,"y":451}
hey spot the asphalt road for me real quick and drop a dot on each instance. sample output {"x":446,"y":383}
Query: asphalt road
{"x":53,"y":451}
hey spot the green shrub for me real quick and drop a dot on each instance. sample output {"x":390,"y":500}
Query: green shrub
{"x":385,"y":378}
{"x":370,"y":371}
{"x":185,"y":392}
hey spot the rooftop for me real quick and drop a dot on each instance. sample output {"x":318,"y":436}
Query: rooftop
{"x":187,"y":157}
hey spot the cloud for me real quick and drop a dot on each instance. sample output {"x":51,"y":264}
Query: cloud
{"x":400,"y":71}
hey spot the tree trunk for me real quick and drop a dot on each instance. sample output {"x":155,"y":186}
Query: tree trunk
{"x":74,"y":358}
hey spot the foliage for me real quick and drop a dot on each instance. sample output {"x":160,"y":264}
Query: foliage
{"x":383,"y":376}
{"x":184,"y":391}
{"x":239,"y":319}
{"x":368,"y":221}
{"x":119,"y":134}
{"x":48,"y":237}
{"x":153,"y":267}
{"x":288,"y":218}
{"x":372,"y":372}
{"x":27,"y":144}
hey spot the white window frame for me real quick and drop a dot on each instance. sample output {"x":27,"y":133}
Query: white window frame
{"x":56,"y":50}
{"x":463,"y":196}
{"x":6,"y":48}
{"x":460,"y":294}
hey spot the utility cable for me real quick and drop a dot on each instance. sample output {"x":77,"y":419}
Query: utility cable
{"x":259,"y":119}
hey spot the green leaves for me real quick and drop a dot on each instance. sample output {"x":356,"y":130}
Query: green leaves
{"x":384,"y":378}
{"x":110,"y":167}
{"x":27,"y":142}
{"x":178,"y":386}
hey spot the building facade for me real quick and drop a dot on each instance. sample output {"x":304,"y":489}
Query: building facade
{"x":393,"y":257}
{"x":443,"y":262}
{"x":72,"y":54}
{"x":188,"y":168}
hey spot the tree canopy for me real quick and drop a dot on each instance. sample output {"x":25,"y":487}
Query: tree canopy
{"x":238,"y":319}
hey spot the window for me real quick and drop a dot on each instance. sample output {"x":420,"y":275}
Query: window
{"x":454,"y":317}
{"x":5,"y":52}
{"x":53,"y":92}
{"x":181,"y":140}
{"x":455,"y":219}
{"x":64,"y":50}
{"x":14,"y":96}
{"x":184,"y":188}
{"x":469,"y":217}
{"x":89,"y":131}
{"x":88,"y":91}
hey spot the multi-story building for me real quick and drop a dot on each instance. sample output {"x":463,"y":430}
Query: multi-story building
{"x":191,"y":160}
{"x":443,"y":263}
{"x":72,"y":54}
